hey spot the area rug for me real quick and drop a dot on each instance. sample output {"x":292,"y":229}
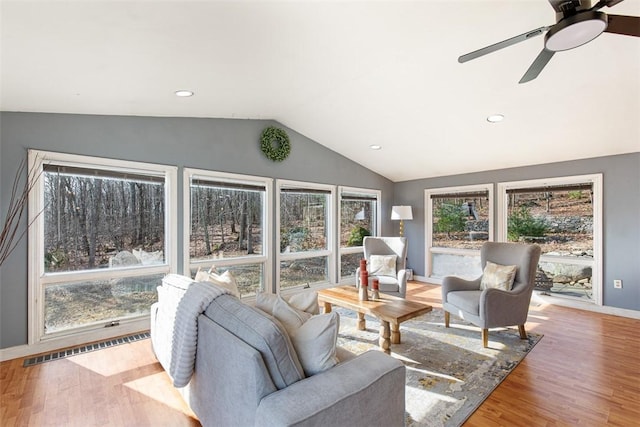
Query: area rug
{"x":449,"y":373}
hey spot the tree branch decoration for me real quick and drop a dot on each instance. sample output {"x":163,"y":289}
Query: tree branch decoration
{"x":275,"y":144}
{"x":10,"y":237}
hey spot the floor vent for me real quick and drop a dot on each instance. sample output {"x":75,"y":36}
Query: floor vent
{"x":84,"y":349}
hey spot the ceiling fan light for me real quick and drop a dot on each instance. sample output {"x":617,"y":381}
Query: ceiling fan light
{"x":575,"y":31}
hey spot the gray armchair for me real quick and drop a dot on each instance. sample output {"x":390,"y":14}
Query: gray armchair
{"x":395,"y":285}
{"x":492,"y":308}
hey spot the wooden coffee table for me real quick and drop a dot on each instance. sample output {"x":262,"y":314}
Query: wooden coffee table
{"x":389,"y":309}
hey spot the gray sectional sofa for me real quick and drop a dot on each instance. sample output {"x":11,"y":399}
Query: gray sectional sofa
{"x":247,"y":372}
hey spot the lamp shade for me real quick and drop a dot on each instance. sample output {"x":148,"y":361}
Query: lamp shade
{"x":401,"y":213}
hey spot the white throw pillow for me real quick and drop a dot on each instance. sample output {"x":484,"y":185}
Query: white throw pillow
{"x":290,"y":317}
{"x":266,"y":302}
{"x":305,"y":301}
{"x":313,"y":337}
{"x":498,"y":276}
{"x":201,"y":276}
{"x":315,"y":342}
{"x":382,"y":265}
{"x":225,"y":280}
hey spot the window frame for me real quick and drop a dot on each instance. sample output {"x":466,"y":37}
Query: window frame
{"x":38,"y":279}
{"x":267,"y":231}
{"x":428,"y":224}
{"x":330,"y":250}
{"x":345,"y":250}
{"x":596,"y":262}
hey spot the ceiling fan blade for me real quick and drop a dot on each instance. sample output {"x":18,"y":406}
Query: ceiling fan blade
{"x":564,"y":5}
{"x":501,"y":45}
{"x":625,"y":25}
{"x":603,"y":3}
{"x":611,"y":3}
{"x":537,"y":66}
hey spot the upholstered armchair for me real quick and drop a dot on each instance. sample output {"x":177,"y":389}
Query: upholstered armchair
{"x":490,"y":301}
{"x":386,"y":261}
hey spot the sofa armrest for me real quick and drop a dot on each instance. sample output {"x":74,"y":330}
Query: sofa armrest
{"x":453,"y":283}
{"x":368,"y":390}
{"x":504,"y":308}
{"x":402,"y":283}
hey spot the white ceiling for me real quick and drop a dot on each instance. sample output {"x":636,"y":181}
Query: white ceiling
{"x":345,"y":74}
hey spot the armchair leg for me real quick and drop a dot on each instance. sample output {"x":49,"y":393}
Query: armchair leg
{"x":447,"y":317}
{"x":485,"y":338}
{"x":523,"y":333}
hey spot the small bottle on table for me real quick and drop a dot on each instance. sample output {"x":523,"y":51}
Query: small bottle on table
{"x":375,"y":289}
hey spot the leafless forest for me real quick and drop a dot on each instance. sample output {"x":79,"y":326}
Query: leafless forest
{"x":100,"y":222}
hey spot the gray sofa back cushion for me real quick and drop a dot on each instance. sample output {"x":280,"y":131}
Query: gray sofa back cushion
{"x":262,"y":332}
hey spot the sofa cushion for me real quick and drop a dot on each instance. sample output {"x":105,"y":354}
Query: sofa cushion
{"x":382,"y":265}
{"x":313,"y":337}
{"x":226,"y":280}
{"x":387,"y":283}
{"x":498,"y":276}
{"x":305,"y":301}
{"x":315,"y":342}
{"x":290,"y":317}
{"x":468,"y":301}
{"x":262,"y":332}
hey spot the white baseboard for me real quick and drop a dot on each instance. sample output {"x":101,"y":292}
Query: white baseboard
{"x":25,"y":350}
{"x":564,"y":302}
{"x":583,"y":305}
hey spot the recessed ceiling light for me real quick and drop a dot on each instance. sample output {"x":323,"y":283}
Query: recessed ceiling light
{"x":375,"y":147}
{"x":184,"y":93}
{"x":495,"y":118}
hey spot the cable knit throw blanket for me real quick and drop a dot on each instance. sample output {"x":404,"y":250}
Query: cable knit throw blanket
{"x":195,"y":301}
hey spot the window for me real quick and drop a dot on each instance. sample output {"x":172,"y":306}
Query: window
{"x":305,"y":234}
{"x":458,"y":222}
{"x":563,"y":216}
{"x":359,"y":217}
{"x":100,"y":243}
{"x":227,"y":226}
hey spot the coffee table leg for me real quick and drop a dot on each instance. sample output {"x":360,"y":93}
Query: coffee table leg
{"x":327,"y":307}
{"x":395,"y":333}
{"x":361,"y":322}
{"x":383,"y":341}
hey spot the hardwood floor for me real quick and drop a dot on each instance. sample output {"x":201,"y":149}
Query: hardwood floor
{"x":585,"y":371}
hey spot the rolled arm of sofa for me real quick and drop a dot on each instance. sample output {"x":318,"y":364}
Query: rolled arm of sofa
{"x":368,"y":390}
{"x":454,"y":283}
{"x":402,"y":283}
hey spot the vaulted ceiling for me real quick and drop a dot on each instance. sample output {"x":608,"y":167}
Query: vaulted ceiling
{"x":345,"y":74}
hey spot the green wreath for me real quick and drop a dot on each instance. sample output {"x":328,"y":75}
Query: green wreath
{"x":282,"y":147}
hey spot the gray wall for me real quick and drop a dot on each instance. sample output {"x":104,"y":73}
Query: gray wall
{"x":621,"y":215}
{"x":232,"y":146}
{"x":214,"y":144}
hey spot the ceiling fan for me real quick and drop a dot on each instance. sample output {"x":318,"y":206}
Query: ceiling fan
{"x":577,"y":23}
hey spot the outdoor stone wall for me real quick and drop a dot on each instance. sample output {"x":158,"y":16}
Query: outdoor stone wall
{"x":555,"y":224}
{"x":479,"y":225}
{"x":569,"y":224}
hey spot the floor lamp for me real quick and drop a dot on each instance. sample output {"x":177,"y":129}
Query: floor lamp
{"x":401,"y":213}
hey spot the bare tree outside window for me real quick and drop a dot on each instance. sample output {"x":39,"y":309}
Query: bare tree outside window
{"x":96,"y":221}
{"x":303,"y":229}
